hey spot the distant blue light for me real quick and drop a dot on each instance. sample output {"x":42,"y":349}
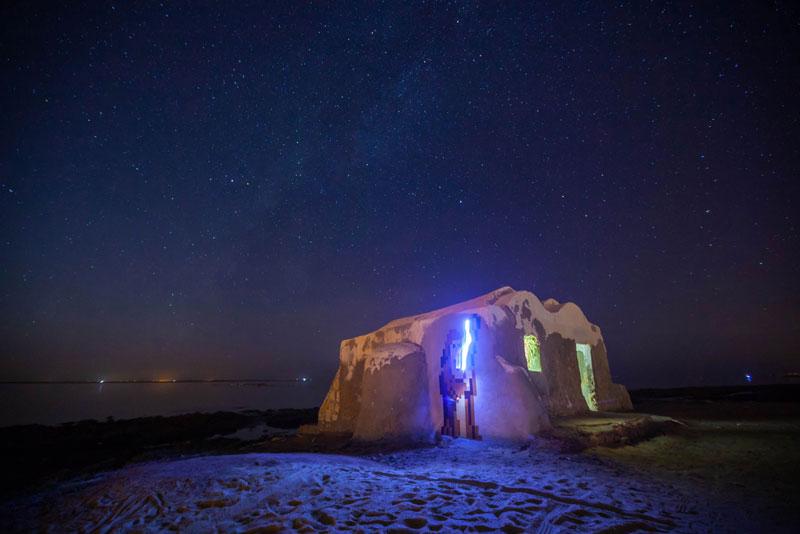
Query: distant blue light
{"x":462,"y":364}
{"x":748,"y":377}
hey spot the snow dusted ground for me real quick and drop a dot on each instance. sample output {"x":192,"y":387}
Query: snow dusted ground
{"x":465,"y":485}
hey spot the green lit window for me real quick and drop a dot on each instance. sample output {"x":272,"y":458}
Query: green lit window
{"x":584,"y":353}
{"x":532,"y":353}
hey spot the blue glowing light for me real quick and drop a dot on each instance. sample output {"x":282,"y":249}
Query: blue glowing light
{"x":748,"y":377}
{"x":462,"y":364}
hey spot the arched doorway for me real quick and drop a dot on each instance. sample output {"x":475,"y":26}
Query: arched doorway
{"x":457,"y":382}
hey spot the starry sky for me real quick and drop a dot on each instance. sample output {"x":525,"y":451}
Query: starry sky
{"x":200,"y":189}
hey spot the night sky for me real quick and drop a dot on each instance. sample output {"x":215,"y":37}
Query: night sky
{"x":228,"y":189}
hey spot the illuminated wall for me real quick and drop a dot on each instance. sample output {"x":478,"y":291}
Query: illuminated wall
{"x":532,"y":353}
{"x":588,"y":389}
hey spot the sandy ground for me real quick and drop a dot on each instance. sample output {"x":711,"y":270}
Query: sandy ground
{"x":463,"y":485}
{"x":728,"y":462}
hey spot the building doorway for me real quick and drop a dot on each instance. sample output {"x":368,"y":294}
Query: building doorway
{"x":457,"y":383}
{"x":588,"y":387}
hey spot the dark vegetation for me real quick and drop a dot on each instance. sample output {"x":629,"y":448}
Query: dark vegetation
{"x":763,"y":393}
{"x":721,"y":403}
{"x":741,"y":443}
{"x":35,"y":454}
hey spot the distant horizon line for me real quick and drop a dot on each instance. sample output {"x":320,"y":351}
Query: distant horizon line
{"x":158,"y":381}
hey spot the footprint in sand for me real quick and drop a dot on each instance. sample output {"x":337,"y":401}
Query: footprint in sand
{"x":215,"y":503}
{"x":323,"y":517}
{"x":415,"y":522}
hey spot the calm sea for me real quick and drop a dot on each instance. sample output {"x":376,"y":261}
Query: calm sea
{"x":59,"y":403}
